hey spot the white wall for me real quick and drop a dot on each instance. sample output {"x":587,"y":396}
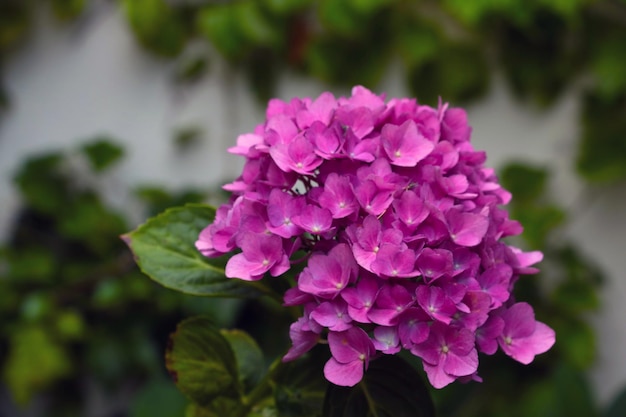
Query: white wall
{"x":71,"y":83}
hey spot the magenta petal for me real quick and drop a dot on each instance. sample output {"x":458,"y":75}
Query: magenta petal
{"x":239,"y":267}
{"x":519,"y":321}
{"x":524,"y":349}
{"x":344,"y":374}
{"x":436,"y":375}
{"x":467,"y":229}
{"x":458,"y":365}
{"x":404,"y":145}
{"x":281,"y":266}
{"x":302,"y":340}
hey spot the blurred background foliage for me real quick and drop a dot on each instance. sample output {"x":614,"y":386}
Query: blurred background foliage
{"x":74,"y":307}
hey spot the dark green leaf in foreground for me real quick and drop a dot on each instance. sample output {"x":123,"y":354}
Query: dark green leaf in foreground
{"x":164,"y":249}
{"x":202,"y":363}
{"x":300,"y":385}
{"x":390,"y":388}
{"x":250,"y":362}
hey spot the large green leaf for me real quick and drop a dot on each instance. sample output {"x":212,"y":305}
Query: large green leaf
{"x":164,"y":249}
{"x":202,"y":363}
{"x":300,"y":386}
{"x":390,"y":388}
{"x":248,"y":355}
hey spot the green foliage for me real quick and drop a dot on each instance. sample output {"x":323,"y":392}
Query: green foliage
{"x":102,"y":153}
{"x":248,"y":355}
{"x":158,"y":26}
{"x":530,"y":206}
{"x":390,"y":388}
{"x":36,"y":360}
{"x":164,"y":250}
{"x":448,"y":49}
{"x":202,"y":363}
{"x":300,"y":386}
{"x":602,"y":152}
{"x":159,"y":398}
{"x":68,"y":284}
{"x":67,"y":9}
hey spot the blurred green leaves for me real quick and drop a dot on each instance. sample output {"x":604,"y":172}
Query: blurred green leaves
{"x":35,"y":361}
{"x":448,"y":49}
{"x":158,"y":26}
{"x":68,"y":283}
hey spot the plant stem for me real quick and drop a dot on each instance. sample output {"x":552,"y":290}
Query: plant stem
{"x":368,"y":398}
{"x":261,"y":391}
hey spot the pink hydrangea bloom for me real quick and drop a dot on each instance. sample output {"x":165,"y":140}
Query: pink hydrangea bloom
{"x":403,"y":227}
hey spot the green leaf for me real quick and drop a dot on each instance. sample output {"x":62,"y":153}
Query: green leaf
{"x":102,"y":153}
{"x":31,"y":264}
{"x":538,"y":221}
{"x":70,"y":325}
{"x":157,"y":25}
{"x":164,"y":249}
{"x":576,"y":296}
{"x":194,"y":410}
{"x":250,"y":361}
{"x":255,"y":25}
{"x":42,"y":184}
{"x":574,"y":395}
{"x":192,"y":68}
{"x":300,"y":385}
{"x":158,"y":398}
{"x":284,"y":7}
{"x":418,"y":41}
{"x":186,"y":137}
{"x":540,"y":59}
{"x":89,"y":221}
{"x":202,"y":363}
{"x":67,"y":9}
{"x":617,"y":408}
{"x":218,"y":23}
{"x":35,"y":361}
{"x":390,"y":388}
{"x":526,"y":182}
{"x":338,"y":16}
{"x":565,"y":392}
{"x":609,"y":66}
{"x":602,"y":150}
{"x":576,"y":340}
{"x":458,"y":72}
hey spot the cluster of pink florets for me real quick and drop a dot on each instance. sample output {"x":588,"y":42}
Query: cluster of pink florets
{"x":400,"y":225}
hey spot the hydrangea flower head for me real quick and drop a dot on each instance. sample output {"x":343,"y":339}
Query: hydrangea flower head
{"x":402,"y":226}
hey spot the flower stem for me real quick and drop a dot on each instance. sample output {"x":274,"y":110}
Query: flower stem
{"x":261,"y":391}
